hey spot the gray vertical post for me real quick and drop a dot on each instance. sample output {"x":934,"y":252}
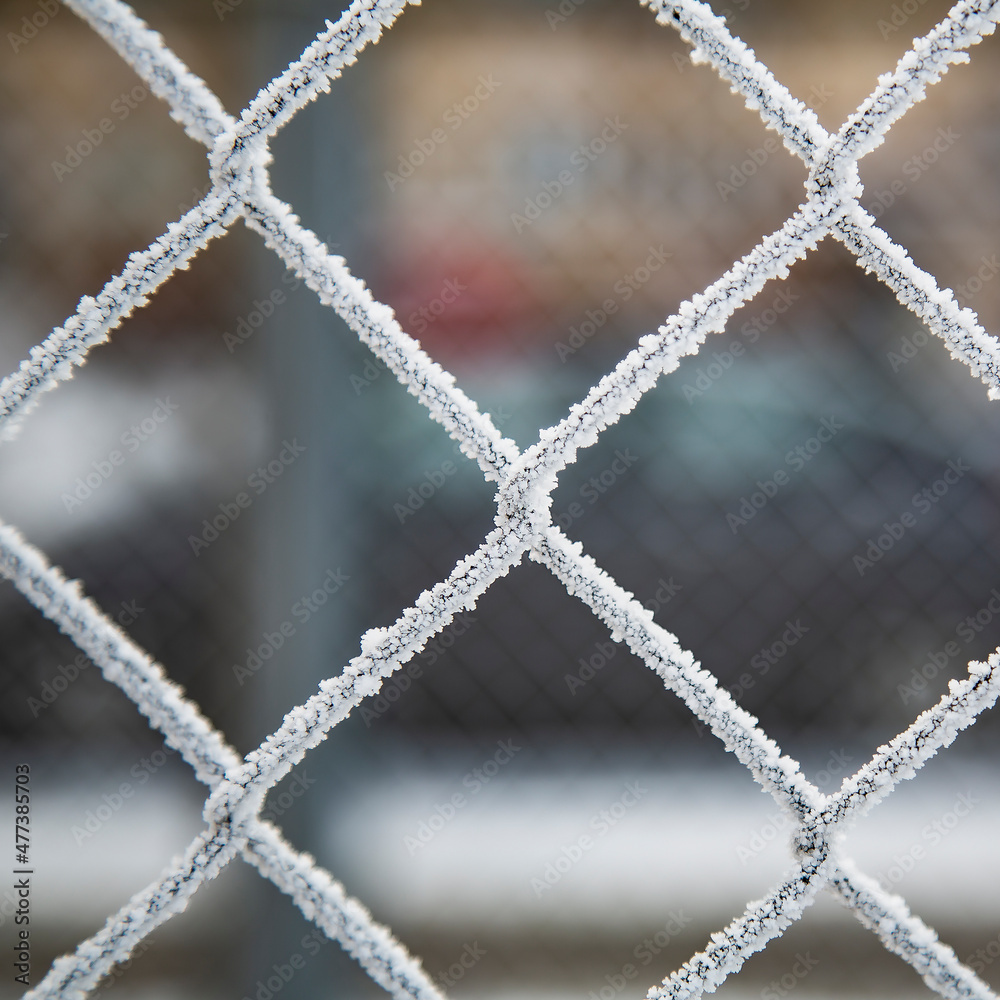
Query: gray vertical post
{"x":306,"y":529}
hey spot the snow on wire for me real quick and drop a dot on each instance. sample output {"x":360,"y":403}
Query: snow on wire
{"x":239,"y":157}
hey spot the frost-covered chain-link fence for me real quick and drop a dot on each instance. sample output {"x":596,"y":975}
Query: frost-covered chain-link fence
{"x":240,"y":188}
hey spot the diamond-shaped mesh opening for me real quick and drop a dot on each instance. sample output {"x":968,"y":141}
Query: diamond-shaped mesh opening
{"x":478,"y":119}
{"x":766,"y":521}
{"x":507,"y":667}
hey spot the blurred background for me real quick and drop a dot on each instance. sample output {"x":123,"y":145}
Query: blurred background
{"x":531,"y":187}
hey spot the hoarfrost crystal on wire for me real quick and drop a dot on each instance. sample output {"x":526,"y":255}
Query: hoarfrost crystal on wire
{"x":239,"y":157}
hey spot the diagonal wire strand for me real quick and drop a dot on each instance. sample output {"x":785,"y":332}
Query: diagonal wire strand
{"x":907,"y":936}
{"x":730,"y":57}
{"x":69,"y":344}
{"x":958,"y":327}
{"x":185,"y":728}
{"x":762,"y":921}
{"x":190,"y":101}
{"x":72,"y":977}
{"x":121,"y":661}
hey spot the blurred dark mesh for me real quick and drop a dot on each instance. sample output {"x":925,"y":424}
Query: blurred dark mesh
{"x":550,"y":304}
{"x":662,"y":526}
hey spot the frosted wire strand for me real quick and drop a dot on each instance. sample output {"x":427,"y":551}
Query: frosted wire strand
{"x":190,"y":101}
{"x":184,"y":728}
{"x":933,"y":730}
{"x":959,"y":328}
{"x":201,"y":115}
{"x":628,"y":620}
{"x":241,"y":151}
{"x":68,"y":345}
{"x":120,"y":660}
{"x":908,"y":937}
{"x":966,"y":24}
{"x":711,"y":42}
{"x":322,"y":61}
{"x":376,"y":326}
{"x":343,"y":919}
{"x":72,"y":977}
{"x":309,"y":76}
{"x":763,"y":920}
{"x":617,"y":393}
{"x":383,"y":651}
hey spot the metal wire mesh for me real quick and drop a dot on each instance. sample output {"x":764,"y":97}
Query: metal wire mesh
{"x":240,"y":188}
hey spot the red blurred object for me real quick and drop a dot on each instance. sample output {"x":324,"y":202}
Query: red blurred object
{"x":461,"y":300}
